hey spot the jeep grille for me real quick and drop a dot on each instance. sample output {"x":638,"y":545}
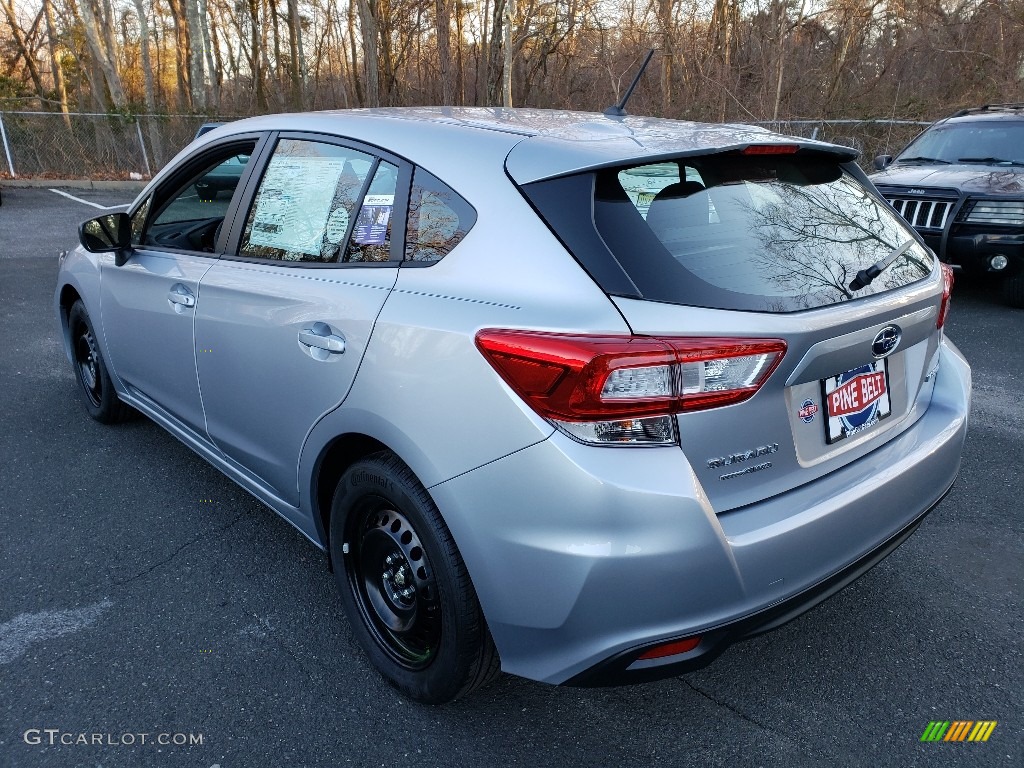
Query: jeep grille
{"x":923,"y":214}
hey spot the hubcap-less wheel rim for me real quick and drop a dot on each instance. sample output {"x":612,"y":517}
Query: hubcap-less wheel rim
{"x":394,"y":586}
{"x":87,"y":356}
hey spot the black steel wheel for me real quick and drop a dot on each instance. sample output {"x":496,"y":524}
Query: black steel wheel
{"x":405,"y":587}
{"x":101,"y":400}
{"x":393,"y":584}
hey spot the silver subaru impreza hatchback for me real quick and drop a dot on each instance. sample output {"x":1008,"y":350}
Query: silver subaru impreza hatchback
{"x":581,"y":398}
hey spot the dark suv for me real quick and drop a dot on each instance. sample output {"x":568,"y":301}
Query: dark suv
{"x":960,"y":183}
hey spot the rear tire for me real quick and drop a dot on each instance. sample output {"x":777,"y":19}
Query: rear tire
{"x":101,"y":400}
{"x":406,"y":590}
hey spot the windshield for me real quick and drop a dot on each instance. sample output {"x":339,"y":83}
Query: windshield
{"x":987,"y":141}
{"x":772,"y":234}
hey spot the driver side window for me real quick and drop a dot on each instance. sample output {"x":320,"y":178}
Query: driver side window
{"x":191,"y":215}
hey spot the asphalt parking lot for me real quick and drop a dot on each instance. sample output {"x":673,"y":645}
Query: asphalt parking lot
{"x":141,"y":592}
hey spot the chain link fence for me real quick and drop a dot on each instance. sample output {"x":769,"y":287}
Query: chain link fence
{"x":93,"y":146}
{"x":98,"y":146}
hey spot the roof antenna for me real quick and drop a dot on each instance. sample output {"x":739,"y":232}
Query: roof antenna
{"x":619,"y":110}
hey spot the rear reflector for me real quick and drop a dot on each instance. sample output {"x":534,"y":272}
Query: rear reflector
{"x":670,"y":649}
{"x":582,"y":378}
{"x":947,"y":292}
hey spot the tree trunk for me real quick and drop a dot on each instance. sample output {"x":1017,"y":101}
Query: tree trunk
{"x":274,"y":28}
{"x":368,"y":26}
{"x":144,"y":52}
{"x":155,"y":139}
{"x":181,"y":56}
{"x":19,"y":41}
{"x":257,"y":63}
{"x":295,"y":49}
{"x":215,"y":74}
{"x":197,"y":73}
{"x":357,"y":84}
{"x":443,"y":26}
{"x":506,"y":71}
{"x":94,"y":40}
{"x":494,"y":58}
{"x":58,"y":70}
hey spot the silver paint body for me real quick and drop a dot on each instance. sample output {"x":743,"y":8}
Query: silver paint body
{"x":576,"y":552}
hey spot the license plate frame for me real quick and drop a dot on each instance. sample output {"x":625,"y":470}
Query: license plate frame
{"x":843,"y":398}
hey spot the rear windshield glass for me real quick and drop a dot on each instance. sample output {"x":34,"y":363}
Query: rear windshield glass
{"x":764,"y":233}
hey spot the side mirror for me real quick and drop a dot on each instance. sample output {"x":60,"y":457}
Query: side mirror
{"x":111,"y":232}
{"x":882,"y":162}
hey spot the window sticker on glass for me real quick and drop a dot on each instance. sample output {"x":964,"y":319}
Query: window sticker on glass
{"x":337,"y":225}
{"x":290,"y":216}
{"x":374,"y":216}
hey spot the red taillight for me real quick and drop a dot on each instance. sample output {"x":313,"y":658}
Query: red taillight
{"x":770,"y":149}
{"x":595,"y":378}
{"x":947,"y":291}
{"x":670,"y":649}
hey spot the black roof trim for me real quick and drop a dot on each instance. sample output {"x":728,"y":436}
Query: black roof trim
{"x":987,"y":108}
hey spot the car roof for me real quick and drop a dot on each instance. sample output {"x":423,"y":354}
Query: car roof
{"x":538,"y":143}
{"x":987,"y":112}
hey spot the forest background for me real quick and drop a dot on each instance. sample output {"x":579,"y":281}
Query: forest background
{"x":716,"y":60}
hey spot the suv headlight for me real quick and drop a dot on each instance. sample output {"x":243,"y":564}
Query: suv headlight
{"x":1009,"y":212}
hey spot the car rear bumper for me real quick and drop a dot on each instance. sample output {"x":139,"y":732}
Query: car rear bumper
{"x":583,"y":558}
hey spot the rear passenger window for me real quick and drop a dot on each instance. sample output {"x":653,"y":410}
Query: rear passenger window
{"x":438,"y":219}
{"x":371,"y":235}
{"x":306,"y":203}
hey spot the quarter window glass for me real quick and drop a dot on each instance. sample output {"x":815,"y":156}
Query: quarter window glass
{"x":306,"y":202}
{"x":139,"y":221}
{"x":371,"y":233}
{"x":438,"y":219}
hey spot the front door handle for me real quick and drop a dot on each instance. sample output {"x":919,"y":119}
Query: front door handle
{"x":321,"y":337}
{"x":181,"y":296}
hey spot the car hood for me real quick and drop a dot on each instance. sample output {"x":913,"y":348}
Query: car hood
{"x":968,"y":178}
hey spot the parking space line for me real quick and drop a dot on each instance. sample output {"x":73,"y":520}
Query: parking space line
{"x":87,"y":202}
{"x":25,"y":629}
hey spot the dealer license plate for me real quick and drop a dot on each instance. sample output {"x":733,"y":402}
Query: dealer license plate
{"x":855,"y":400}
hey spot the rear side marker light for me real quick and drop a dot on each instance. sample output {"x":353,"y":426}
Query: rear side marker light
{"x":947,"y":292}
{"x":670,"y":649}
{"x":624,"y":390}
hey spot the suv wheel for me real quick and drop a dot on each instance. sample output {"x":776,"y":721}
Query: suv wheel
{"x":1013,"y":290}
{"x":405,"y":587}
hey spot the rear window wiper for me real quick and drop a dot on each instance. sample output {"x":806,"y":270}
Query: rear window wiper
{"x":993,"y":160}
{"x":922,"y":159}
{"x":866,"y":276}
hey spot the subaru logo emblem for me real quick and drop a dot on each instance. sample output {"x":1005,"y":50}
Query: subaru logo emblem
{"x":886,"y":341}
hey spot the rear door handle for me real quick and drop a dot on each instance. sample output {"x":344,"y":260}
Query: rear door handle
{"x":182,"y":296}
{"x":320,"y":337}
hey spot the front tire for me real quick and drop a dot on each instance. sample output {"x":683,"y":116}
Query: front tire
{"x":406,"y":590}
{"x":1013,"y":290}
{"x":101,"y":401}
